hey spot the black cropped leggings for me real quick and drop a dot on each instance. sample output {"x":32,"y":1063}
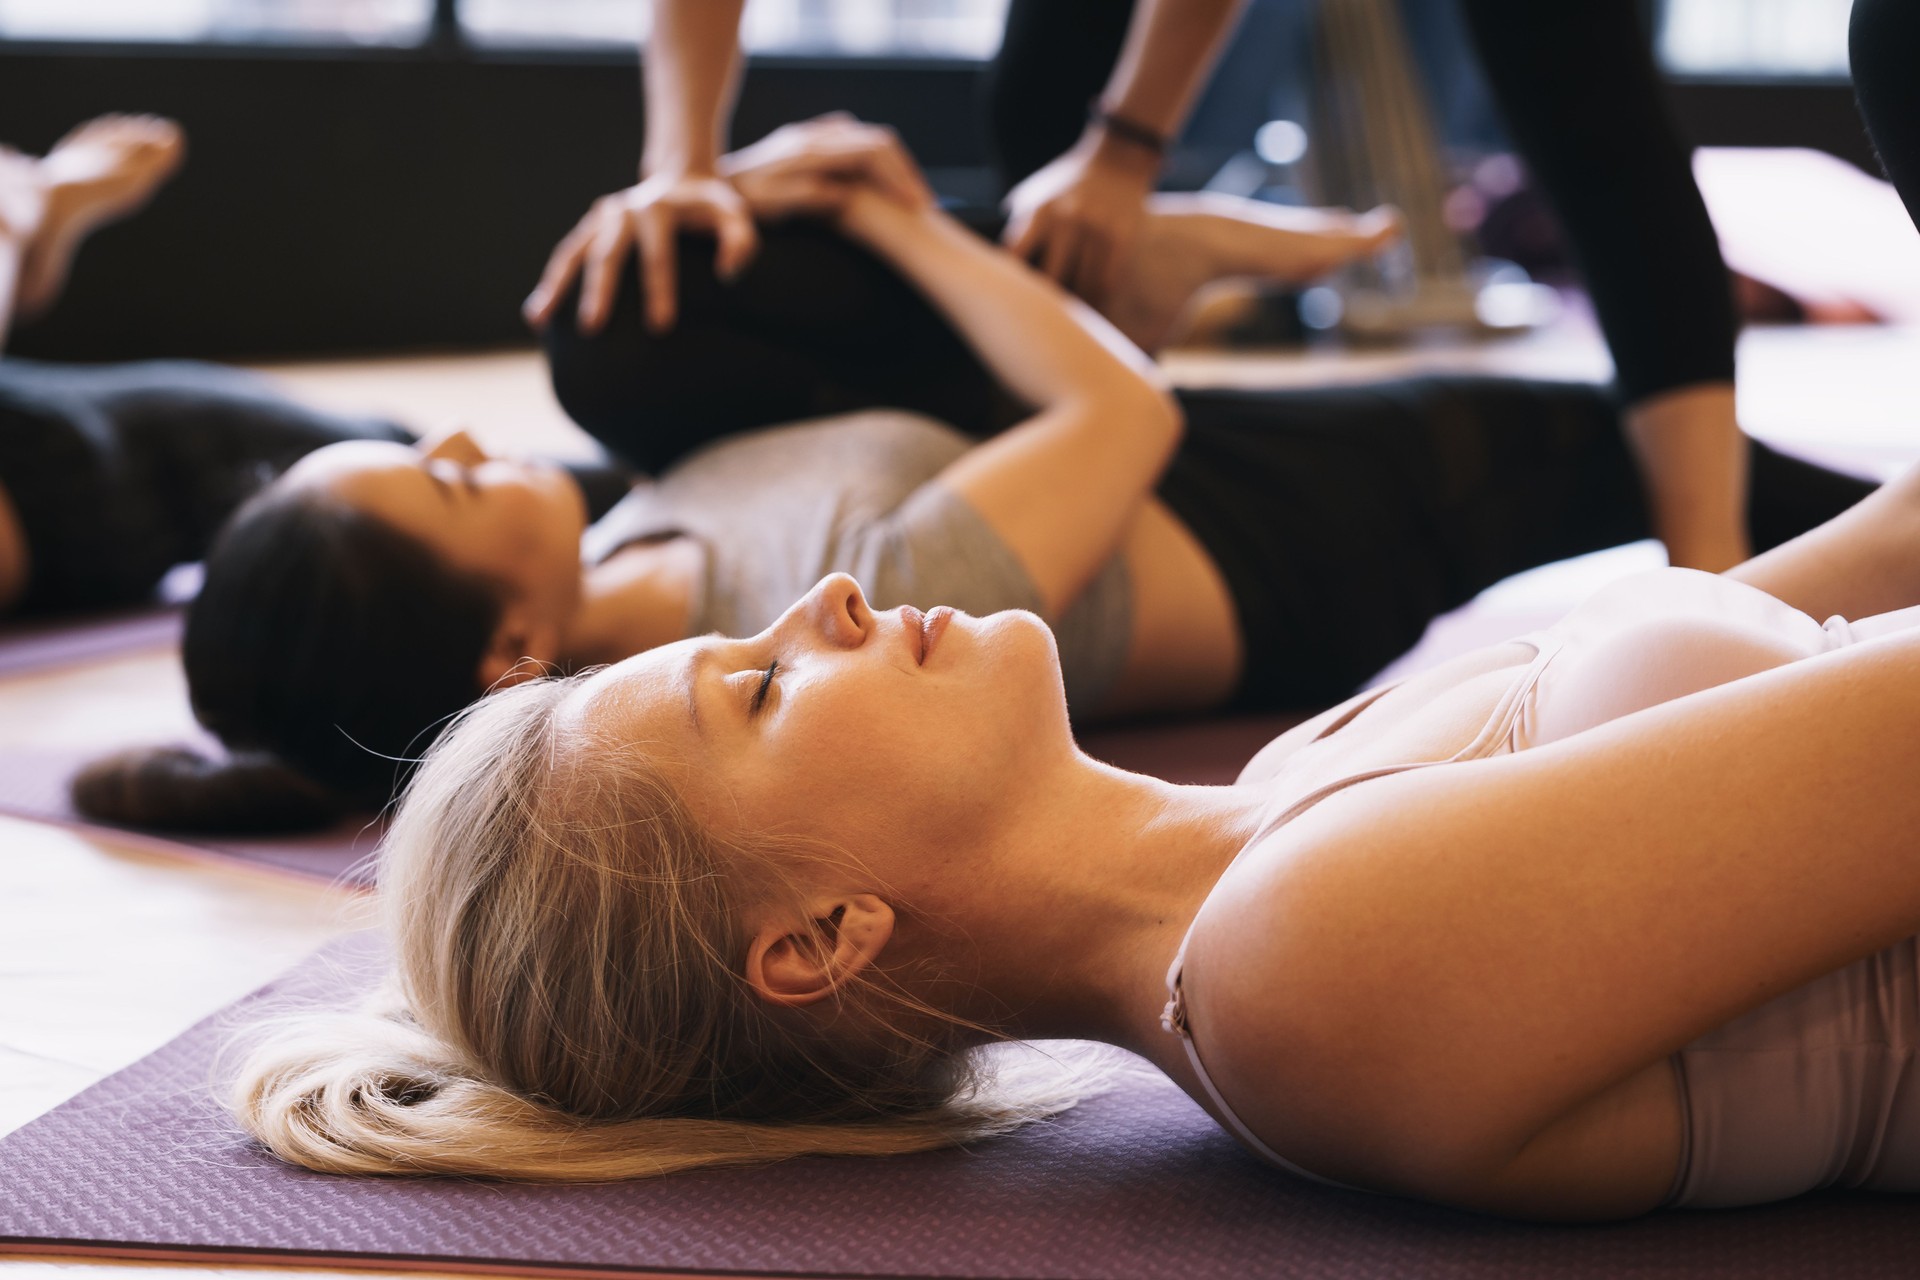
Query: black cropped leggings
{"x":1580,"y":94}
{"x":1343,"y":518}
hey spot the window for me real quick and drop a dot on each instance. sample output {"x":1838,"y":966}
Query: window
{"x":218,"y":21}
{"x":910,"y":28}
{"x":1755,"y":37}
{"x":935,"y":28}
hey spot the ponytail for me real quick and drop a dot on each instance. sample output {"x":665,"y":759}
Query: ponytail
{"x":181,"y":788}
{"x":367,"y":1093}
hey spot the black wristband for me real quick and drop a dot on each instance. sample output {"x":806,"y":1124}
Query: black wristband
{"x":1118,"y":126}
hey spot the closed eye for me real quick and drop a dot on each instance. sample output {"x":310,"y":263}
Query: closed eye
{"x":766,"y":683}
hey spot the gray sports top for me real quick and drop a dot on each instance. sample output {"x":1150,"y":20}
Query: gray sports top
{"x":779,"y":509}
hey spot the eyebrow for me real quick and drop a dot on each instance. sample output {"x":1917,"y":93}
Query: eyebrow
{"x":690,"y":681}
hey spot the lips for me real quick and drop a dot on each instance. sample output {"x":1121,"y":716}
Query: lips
{"x":932,"y":627}
{"x":924,"y":629}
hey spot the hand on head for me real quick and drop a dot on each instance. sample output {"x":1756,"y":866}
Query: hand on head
{"x":806,"y":169}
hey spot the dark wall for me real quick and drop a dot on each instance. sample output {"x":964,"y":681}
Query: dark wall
{"x":380,"y":199}
{"x":364,"y":200}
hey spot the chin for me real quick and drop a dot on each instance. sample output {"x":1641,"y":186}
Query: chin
{"x":1025,"y":662}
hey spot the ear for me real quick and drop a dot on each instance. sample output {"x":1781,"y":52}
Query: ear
{"x":799,"y":966}
{"x":520,"y":648}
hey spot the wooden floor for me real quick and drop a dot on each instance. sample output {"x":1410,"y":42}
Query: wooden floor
{"x":107,"y":952}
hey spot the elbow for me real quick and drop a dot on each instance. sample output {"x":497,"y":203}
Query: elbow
{"x":1160,"y":416}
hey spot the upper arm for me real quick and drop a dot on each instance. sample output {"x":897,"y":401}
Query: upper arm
{"x":1425,"y":971}
{"x":1061,"y":488}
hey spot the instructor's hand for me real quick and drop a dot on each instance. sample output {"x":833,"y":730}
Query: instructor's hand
{"x":1076,"y":218}
{"x":650,"y":216}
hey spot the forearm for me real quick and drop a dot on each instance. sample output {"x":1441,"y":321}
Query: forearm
{"x":1692,"y":459}
{"x":692,"y":63}
{"x":1171,"y":47}
{"x":1044,"y":346}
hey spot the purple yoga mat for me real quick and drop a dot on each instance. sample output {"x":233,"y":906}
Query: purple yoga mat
{"x":33,"y":784}
{"x":1139,"y":1183}
{"x":43,"y":644}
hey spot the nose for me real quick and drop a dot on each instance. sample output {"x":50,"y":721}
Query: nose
{"x":455,"y":446}
{"x":836,"y":611}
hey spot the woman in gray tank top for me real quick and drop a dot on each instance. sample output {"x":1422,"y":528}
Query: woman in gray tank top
{"x":987,"y":443}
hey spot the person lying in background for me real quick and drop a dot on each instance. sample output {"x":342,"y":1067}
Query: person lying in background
{"x":1191,"y":550}
{"x":112,"y":474}
{"x":1616,"y":916}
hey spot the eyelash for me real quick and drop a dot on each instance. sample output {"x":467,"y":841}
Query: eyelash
{"x":766,"y":681}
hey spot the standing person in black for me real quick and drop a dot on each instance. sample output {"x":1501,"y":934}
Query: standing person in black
{"x":1591,"y":123}
{"x":1582,"y":98}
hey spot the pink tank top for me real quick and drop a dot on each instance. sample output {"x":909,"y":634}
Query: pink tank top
{"x":1494,"y":738}
{"x":1641,"y":642}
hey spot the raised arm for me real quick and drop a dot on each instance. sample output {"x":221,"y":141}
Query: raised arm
{"x":1475,"y":953}
{"x":1076,"y":217}
{"x":1061,"y":487}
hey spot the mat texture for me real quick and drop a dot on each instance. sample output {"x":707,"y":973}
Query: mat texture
{"x":1136,"y":1184}
{"x":41,"y":644}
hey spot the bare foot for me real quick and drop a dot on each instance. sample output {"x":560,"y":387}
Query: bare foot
{"x":1189,"y":241}
{"x":101,"y":172}
{"x":23,"y":196}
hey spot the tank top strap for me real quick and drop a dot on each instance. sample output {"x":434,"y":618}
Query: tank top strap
{"x":1497,"y":730}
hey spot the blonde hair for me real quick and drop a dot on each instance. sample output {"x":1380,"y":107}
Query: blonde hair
{"x":568,"y":1001}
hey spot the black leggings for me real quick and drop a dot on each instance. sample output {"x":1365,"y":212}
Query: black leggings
{"x":1343,"y":518}
{"x":1582,"y":98}
{"x":1884,"y":40}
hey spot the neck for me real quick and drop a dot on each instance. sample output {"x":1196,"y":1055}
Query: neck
{"x":1077,"y":917}
{"x":637,"y":599}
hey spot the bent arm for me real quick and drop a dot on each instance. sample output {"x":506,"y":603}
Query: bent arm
{"x":1466,"y":954}
{"x":1060,"y":488}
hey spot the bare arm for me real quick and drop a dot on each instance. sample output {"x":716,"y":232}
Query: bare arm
{"x":1061,"y":488}
{"x":1076,"y":217}
{"x":692,"y":63}
{"x":1469,"y":953}
{"x":1865,"y":560}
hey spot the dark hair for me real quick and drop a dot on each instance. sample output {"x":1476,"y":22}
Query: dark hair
{"x":333,"y":641}
{"x":322,"y":639}
{"x":183,"y":788}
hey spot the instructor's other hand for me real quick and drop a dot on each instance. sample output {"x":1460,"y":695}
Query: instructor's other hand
{"x":809,"y":169}
{"x":1076,"y":218}
{"x":651,"y":216}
